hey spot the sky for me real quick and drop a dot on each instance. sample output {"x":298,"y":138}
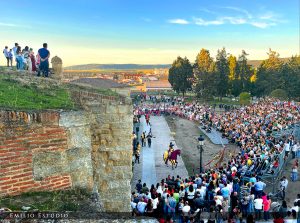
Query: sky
{"x":150,"y":31}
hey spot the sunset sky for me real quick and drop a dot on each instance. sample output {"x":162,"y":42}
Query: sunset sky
{"x":150,"y":31}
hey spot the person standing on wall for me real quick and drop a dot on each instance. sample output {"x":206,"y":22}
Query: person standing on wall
{"x":44,"y":63}
{"x":15,"y":48}
{"x":10,"y":55}
{"x":6,"y":54}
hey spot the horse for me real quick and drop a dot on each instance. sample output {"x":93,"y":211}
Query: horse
{"x":172,"y":157}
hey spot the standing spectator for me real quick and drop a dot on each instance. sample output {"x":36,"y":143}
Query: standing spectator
{"x":6,"y":54}
{"x":19,"y":60}
{"x":258,"y":206}
{"x":10,"y":55}
{"x":294,"y":150}
{"x":139,"y":186}
{"x":44,"y":55}
{"x":283,"y":209}
{"x":33,"y":62}
{"x":143,"y":138}
{"x":283,"y":185}
{"x":38,"y":62}
{"x":294,"y":174}
{"x":259,"y":186}
{"x":267,"y":205}
{"x":14,"y":49}
{"x":149,"y":139}
{"x":287,"y":148}
{"x":25,"y":58}
{"x":137,"y":153}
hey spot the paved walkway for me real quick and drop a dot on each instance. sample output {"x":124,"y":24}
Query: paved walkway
{"x":153,"y":166}
{"x":215,"y":136}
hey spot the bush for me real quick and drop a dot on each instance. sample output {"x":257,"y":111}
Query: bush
{"x":279,"y":93}
{"x":245,"y":98}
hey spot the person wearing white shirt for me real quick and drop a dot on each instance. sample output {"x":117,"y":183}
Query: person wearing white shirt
{"x":286,"y":148}
{"x":295,"y":150}
{"x":283,"y":185}
{"x":186,"y":209}
{"x":141,"y":206}
{"x":6,"y":54}
{"x":258,"y":206}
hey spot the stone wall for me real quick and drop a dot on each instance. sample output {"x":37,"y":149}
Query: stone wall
{"x":54,"y":150}
{"x":111,"y":126}
{"x":39,"y":151}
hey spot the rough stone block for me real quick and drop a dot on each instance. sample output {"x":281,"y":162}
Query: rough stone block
{"x":73,"y":119}
{"x":111,"y":109}
{"x":79,"y":137}
{"x":43,"y":164}
{"x":124,"y":109}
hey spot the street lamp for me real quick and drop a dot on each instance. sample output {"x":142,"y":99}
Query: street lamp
{"x":200,"y":147}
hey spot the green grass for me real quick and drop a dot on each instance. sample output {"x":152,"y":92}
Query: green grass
{"x":40,"y":94}
{"x":70,"y":200}
{"x":14,"y":95}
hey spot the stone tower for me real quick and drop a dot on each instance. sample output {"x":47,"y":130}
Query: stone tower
{"x":57,"y":67}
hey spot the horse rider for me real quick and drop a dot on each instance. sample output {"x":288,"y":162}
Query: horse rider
{"x":170,"y":150}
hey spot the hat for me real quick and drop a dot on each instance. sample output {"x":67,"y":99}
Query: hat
{"x":171,"y":144}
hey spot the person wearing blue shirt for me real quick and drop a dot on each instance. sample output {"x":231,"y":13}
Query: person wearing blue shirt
{"x":225,"y":191}
{"x":259,"y":187}
{"x":44,"y":55}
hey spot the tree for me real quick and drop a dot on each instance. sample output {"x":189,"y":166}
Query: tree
{"x":180,"y":75}
{"x":279,"y":93}
{"x":204,"y":75}
{"x":245,"y":98}
{"x":244,"y":71}
{"x":222,"y":73}
{"x":269,"y":75}
{"x":232,"y":67}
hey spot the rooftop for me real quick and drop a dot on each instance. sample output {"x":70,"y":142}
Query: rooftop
{"x":158,"y":84}
{"x":99,"y":83}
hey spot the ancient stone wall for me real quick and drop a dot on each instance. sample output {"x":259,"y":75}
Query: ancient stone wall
{"x":54,"y":150}
{"x":111,"y":126}
{"x":39,"y":151}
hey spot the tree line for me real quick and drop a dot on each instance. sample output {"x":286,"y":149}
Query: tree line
{"x":228,"y":75}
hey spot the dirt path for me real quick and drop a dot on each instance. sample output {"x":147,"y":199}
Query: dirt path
{"x":186,"y":133}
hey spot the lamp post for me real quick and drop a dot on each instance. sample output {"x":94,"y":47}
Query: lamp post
{"x":200,"y":147}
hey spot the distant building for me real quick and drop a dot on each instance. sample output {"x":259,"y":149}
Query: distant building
{"x":158,"y":85}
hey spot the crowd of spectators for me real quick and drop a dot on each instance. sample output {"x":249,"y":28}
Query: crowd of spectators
{"x":26,"y":59}
{"x":234,"y":189}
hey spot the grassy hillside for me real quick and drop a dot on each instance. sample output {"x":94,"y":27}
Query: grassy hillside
{"x":14,"y":94}
{"x":31,"y":93}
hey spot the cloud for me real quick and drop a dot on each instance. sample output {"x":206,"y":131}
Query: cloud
{"x":248,"y":14}
{"x":178,"y":21}
{"x":13,"y":25}
{"x":262,"y":21}
{"x":202,"y":22}
{"x":8,"y":24}
{"x":262,"y":25}
{"x":234,"y":20}
{"x":207,"y":10}
{"x":220,"y":21}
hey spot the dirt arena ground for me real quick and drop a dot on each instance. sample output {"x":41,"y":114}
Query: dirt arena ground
{"x":186,"y":134}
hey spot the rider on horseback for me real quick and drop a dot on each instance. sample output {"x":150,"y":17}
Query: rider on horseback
{"x":168,"y":153}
